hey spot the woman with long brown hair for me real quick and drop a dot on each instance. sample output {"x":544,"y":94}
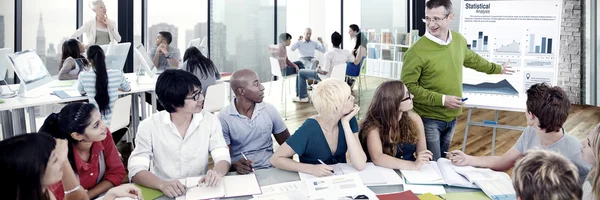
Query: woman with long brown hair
{"x":391,"y":133}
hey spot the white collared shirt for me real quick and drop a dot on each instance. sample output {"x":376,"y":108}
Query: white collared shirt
{"x":440,"y":42}
{"x":168,"y":155}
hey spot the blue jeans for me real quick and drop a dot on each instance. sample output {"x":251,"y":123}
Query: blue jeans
{"x":438,"y":135}
{"x":303,"y":75}
{"x":289,"y":70}
{"x":309,"y":62}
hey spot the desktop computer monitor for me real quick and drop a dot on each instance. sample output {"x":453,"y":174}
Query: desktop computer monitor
{"x":198,"y":43}
{"x":116,"y":55}
{"x":4,"y":63}
{"x":146,"y":62}
{"x":31,"y":71}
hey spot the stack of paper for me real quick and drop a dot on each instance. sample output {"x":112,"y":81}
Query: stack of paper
{"x":370,"y":176}
{"x":230,"y":186}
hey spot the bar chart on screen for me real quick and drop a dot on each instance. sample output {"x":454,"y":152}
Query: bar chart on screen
{"x":478,"y":40}
{"x":541,"y":43}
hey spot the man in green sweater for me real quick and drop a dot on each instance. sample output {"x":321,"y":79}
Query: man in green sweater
{"x":432,"y":71}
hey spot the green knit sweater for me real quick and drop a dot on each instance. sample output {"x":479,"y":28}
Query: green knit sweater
{"x":431,"y":70}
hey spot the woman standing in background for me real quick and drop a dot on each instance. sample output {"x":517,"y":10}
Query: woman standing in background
{"x":99,"y":30}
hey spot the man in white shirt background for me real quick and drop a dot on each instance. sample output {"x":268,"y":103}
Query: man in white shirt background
{"x":333,"y":57}
{"x":307,"y":47}
{"x":174,"y":144}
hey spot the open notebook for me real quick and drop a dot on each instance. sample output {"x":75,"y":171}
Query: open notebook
{"x":496,"y":185}
{"x":370,"y":176}
{"x":231,"y":186}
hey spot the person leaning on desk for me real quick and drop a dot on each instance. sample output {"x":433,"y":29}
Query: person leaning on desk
{"x":30,"y":163}
{"x":99,"y":30}
{"x":325,"y":139}
{"x":175,"y":143}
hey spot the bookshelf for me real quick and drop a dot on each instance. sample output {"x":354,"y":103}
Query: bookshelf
{"x":385,"y":52}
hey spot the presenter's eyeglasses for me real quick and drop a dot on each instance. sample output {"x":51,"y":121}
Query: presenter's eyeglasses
{"x":435,"y":19}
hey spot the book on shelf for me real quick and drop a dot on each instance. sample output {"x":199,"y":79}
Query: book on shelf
{"x":386,"y":38}
{"x":401,"y":39}
{"x":414,"y":36}
{"x":373,"y":53}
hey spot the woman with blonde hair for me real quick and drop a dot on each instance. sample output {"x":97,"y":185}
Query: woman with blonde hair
{"x":99,"y":30}
{"x":391,"y":133}
{"x":590,"y":152}
{"x":327,"y":138}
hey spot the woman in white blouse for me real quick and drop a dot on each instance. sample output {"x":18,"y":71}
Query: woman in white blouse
{"x":99,"y":30}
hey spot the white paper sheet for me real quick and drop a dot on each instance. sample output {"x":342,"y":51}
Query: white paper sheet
{"x":342,"y":185}
{"x":283,"y":188}
{"x":422,"y":189}
{"x":370,"y":176}
{"x":428,"y":174}
{"x":230,"y":186}
{"x":451,"y":177}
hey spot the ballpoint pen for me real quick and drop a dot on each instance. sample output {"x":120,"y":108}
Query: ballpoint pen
{"x":324,"y":164}
{"x":248,"y":160}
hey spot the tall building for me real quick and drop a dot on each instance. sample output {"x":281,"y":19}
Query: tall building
{"x":41,"y":40}
{"x":218,"y":44}
{"x":2,"y":31}
{"x":189,"y":36}
{"x":153,"y":32}
{"x":200,"y":30}
{"x":52,"y":60}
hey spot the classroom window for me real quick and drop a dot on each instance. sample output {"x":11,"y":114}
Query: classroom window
{"x":185,"y":19}
{"x":7,"y":29}
{"x":46,"y":25}
{"x":241,"y":32}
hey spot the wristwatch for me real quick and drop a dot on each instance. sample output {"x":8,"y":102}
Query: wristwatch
{"x":168,"y":56}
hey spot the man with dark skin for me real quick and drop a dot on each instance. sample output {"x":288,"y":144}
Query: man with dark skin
{"x":248,"y":124}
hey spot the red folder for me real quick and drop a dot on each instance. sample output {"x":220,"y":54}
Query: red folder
{"x":406,"y":195}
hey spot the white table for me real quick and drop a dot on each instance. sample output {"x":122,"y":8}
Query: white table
{"x":17,"y":105}
{"x":273,"y":176}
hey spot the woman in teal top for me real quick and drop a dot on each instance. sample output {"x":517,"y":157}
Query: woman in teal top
{"x":328,"y":137}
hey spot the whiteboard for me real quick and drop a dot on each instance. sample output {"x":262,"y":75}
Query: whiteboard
{"x":523,"y":33}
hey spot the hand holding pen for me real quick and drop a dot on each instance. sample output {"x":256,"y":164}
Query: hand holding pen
{"x":321,"y":170}
{"x":244,"y":166}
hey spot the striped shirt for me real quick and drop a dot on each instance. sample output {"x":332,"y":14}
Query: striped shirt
{"x":116,"y":81}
